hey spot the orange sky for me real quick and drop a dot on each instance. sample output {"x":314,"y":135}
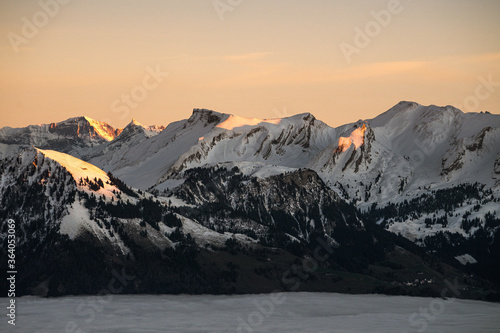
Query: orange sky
{"x":340,"y":60}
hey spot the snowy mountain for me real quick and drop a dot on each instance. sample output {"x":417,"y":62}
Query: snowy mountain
{"x":407,"y":152}
{"x":73,"y":135}
{"x":410,"y":144}
{"x":66,"y":177}
{"x":218,"y":183}
{"x":141,"y":160}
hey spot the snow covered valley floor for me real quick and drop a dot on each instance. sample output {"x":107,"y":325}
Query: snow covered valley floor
{"x":289,"y":312}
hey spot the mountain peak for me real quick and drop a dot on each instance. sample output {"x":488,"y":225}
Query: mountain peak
{"x":132,"y":126}
{"x":206,"y":116}
{"x":135,"y":127}
{"x":90,"y":120}
{"x":203,"y":110}
{"x":306,"y":116}
{"x":398,"y":110}
{"x":102,"y":129}
{"x":402,"y":107}
{"x":206,"y":112}
{"x":79,"y":119}
{"x":406,"y":106}
{"x":134,"y":122}
{"x":232,"y":122}
{"x":84,"y":126}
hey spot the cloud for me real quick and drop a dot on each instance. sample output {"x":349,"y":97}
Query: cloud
{"x":265,"y":73}
{"x":445,"y":70}
{"x":379,"y":69}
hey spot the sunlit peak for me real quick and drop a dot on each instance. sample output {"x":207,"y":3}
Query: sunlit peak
{"x":233,"y":122}
{"x":357,"y":138}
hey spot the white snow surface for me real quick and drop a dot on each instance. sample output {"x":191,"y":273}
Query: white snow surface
{"x":466,"y":259}
{"x":203,"y":236}
{"x":80,"y":169}
{"x":233,"y":122}
{"x":356,"y":138}
{"x":291,"y":312}
{"x":77,"y":220}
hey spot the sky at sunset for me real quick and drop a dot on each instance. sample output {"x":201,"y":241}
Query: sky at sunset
{"x":156,"y":60}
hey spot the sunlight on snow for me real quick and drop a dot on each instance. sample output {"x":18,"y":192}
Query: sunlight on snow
{"x":233,"y":122}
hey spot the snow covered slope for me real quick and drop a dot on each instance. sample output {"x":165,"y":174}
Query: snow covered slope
{"x":81,"y":170}
{"x":209,"y":137}
{"x":66,"y":190}
{"x":289,"y":142}
{"x":141,"y":161}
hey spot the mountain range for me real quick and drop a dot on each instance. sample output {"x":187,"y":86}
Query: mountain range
{"x":221,"y":203}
